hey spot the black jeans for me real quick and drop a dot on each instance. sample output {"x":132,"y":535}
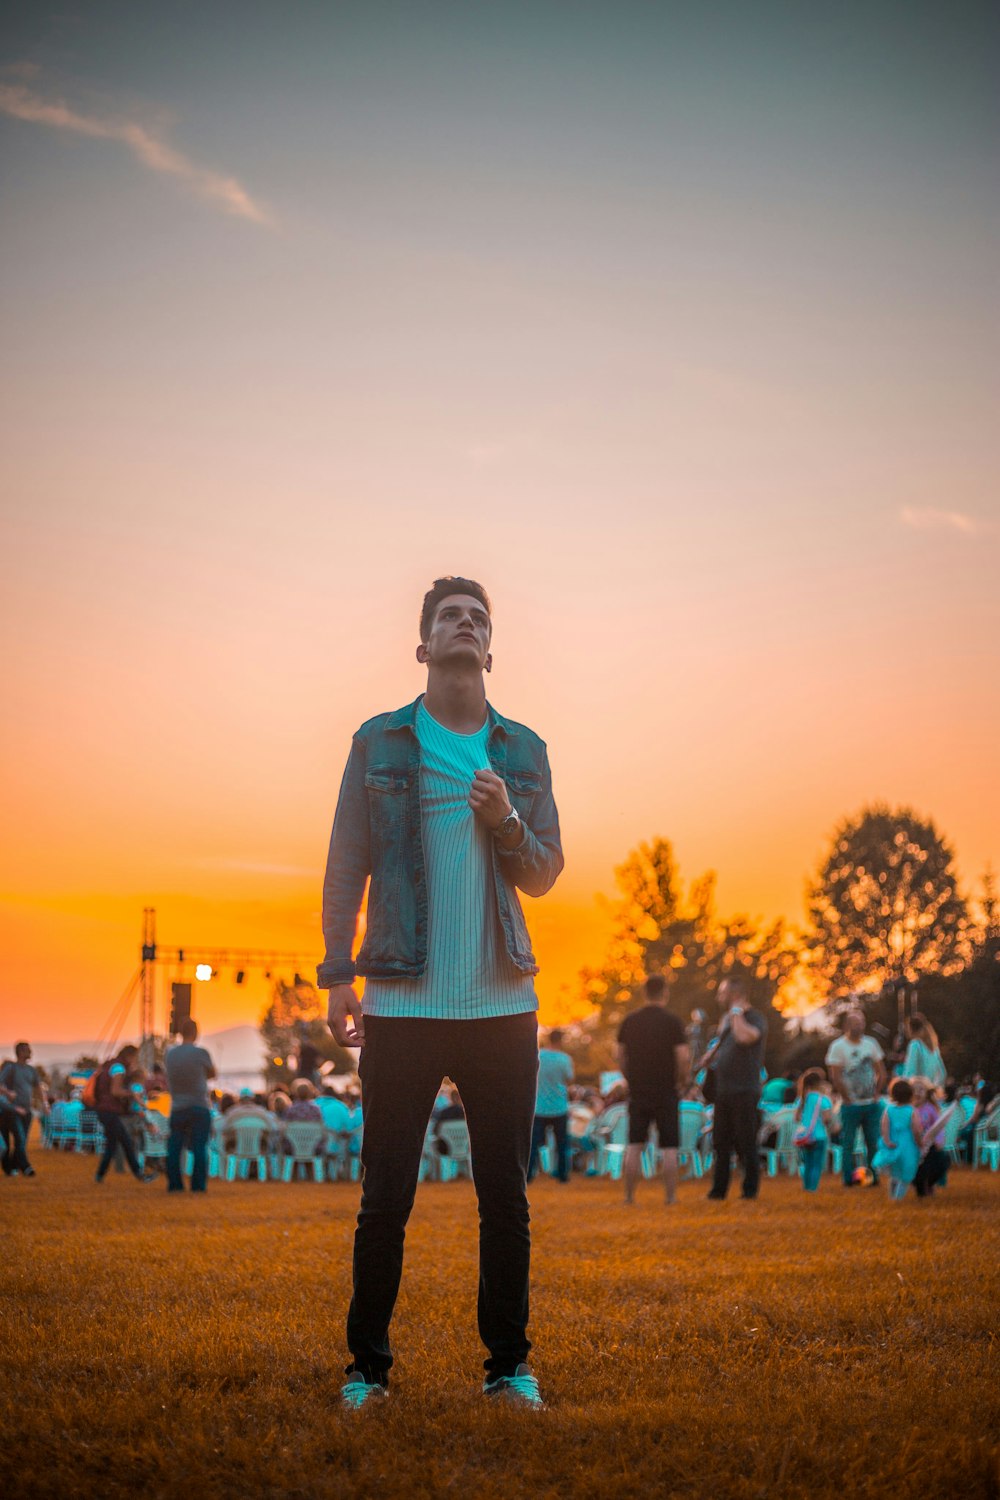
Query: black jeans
{"x":494,"y":1063}
{"x":115,"y":1135}
{"x":734,"y":1128}
{"x":931,"y":1170}
{"x":15,"y":1155}
{"x":558,"y":1124}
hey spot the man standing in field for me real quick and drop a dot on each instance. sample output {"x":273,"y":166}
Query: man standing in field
{"x":737,"y":1063}
{"x":448,"y":807}
{"x":654,"y":1056}
{"x":21,"y":1087}
{"x":857,"y":1072}
{"x":189,"y":1071}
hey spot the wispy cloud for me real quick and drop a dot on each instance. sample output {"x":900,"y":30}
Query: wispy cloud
{"x":927,"y":518}
{"x":24,"y":103}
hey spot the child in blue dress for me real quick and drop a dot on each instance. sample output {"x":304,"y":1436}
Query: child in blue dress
{"x":812,"y":1137}
{"x":902,"y":1138}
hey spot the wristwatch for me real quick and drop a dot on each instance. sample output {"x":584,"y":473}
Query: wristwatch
{"x":510,"y":824}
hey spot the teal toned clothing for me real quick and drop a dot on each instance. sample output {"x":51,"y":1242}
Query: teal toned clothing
{"x":469,"y":974}
{"x":902,"y":1158}
{"x":555,"y":1073}
{"x":815,"y":1114}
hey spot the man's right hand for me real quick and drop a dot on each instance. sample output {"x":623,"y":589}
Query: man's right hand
{"x":344,"y":1016}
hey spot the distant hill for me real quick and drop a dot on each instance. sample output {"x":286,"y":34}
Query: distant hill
{"x":237,"y":1049}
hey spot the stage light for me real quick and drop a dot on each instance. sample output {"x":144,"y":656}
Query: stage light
{"x":203,"y":972}
{"x":279,"y":1062}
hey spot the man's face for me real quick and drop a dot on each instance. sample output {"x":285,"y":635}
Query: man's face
{"x":728,"y":995}
{"x":23,"y":1054}
{"x":855,"y":1025}
{"x":460,"y":633}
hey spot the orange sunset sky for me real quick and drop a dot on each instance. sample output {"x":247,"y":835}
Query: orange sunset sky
{"x":676,"y":326}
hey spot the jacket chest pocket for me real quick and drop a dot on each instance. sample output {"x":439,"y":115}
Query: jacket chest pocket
{"x":388,"y":796}
{"x":523,"y":787}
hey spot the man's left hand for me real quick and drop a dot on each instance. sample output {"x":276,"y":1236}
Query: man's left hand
{"x":488,"y":799}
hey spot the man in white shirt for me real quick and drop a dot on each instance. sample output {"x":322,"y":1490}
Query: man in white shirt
{"x":857,"y":1072}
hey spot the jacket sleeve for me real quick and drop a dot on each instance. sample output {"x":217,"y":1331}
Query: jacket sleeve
{"x":348,"y":866}
{"x":535,"y":864}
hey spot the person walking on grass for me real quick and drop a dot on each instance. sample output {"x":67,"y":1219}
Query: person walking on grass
{"x":737,"y":1063}
{"x":447,"y":806}
{"x":857,"y":1072}
{"x":902,"y":1139}
{"x":812,"y":1117}
{"x":113,"y":1103}
{"x":190,"y":1069}
{"x":20,"y":1093}
{"x":555,"y":1074}
{"x":654,"y":1055}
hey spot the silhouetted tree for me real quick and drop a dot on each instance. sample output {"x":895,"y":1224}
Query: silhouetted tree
{"x":658,"y":929}
{"x":885,"y":905}
{"x":297,"y":1014}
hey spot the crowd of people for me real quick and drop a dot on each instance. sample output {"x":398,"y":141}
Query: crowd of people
{"x":738,"y":1112}
{"x":668,"y":1074}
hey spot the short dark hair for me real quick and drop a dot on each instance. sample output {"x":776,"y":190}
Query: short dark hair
{"x":900,"y":1091}
{"x":20,"y":1046}
{"x":189,"y":1029}
{"x":737,"y":981}
{"x":655,"y":986}
{"x":443,"y":588}
{"x":556,"y":1036}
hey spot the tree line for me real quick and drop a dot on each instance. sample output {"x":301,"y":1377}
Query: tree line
{"x":885,"y":919}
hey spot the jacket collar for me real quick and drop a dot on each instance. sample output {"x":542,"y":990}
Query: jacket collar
{"x":406,"y":718}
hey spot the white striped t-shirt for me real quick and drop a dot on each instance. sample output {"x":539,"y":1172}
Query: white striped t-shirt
{"x":469,"y":974}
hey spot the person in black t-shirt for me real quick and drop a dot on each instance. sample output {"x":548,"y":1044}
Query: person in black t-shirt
{"x":736,"y":1062}
{"x":655,"y":1058}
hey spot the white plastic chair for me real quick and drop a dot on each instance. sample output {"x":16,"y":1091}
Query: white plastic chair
{"x":306,"y":1138}
{"x":691,"y":1123}
{"x":89,"y":1135}
{"x":458,"y":1160}
{"x":612,"y":1145}
{"x":783,"y":1149}
{"x":987,"y":1142}
{"x":250,"y":1147}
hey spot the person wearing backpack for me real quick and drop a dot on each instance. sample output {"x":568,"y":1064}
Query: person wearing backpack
{"x":112,"y":1101}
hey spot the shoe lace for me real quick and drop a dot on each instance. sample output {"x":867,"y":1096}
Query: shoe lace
{"x":356,"y":1392}
{"x":523,"y":1385}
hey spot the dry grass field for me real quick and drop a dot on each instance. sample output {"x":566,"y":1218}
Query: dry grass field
{"x":156,"y":1346}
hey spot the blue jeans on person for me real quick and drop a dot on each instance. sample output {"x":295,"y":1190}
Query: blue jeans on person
{"x":869,"y":1118}
{"x":190,"y":1127}
{"x":812,"y":1156}
{"x":558,"y":1124}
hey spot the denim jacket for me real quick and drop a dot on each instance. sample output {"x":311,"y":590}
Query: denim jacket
{"x":377,"y":833}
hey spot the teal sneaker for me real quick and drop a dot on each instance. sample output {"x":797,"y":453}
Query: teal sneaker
{"x":519,"y":1389}
{"x":357,"y":1390}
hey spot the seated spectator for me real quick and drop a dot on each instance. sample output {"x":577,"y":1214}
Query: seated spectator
{"x":304,"y":1106}
{"x":334,"y":1112}
{"x":247,"y":1107}
{"x":279,"y":1104}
